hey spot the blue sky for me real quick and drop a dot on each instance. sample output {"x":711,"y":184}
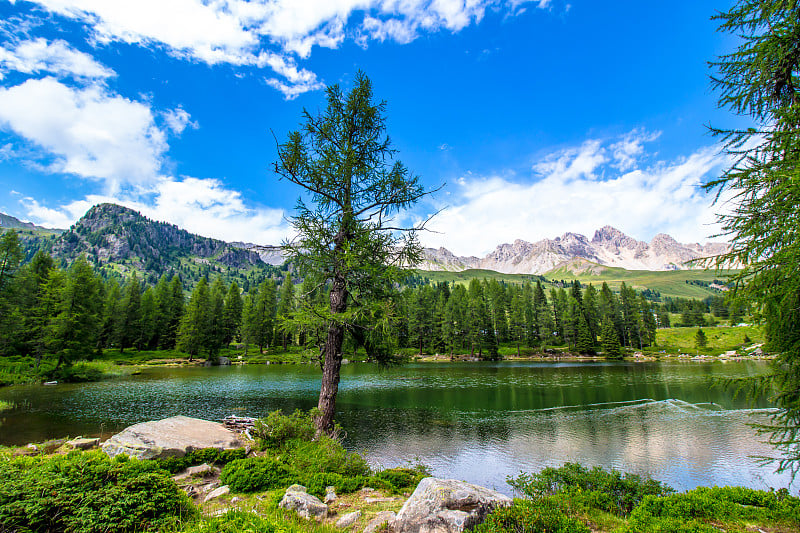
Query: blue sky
{"x":539,"y":117}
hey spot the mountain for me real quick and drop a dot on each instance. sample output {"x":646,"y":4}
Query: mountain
{"x":9,"y":222}
{"x":119,"y":239}
{"x":608,"y":247}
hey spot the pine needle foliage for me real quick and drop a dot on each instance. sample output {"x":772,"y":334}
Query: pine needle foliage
{"x":761,"y":80}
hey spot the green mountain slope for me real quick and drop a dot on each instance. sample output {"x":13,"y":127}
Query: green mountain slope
{"x":119,"y":241}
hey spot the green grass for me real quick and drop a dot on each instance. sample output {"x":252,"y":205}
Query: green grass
{"x":670,"y":283}
{"x":720,"y":339}
{"x":5,"y":406}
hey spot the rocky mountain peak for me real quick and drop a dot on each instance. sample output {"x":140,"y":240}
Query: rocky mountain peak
{"x":609,"y":235}
{"x":102,"y":216}
{"x":608,"y":247}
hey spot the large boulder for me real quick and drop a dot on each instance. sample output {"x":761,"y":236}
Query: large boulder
{"x":446,"y":506}
{"x":170,"y":437}
{"x":304,"y":504}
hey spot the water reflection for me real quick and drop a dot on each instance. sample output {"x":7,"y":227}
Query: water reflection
{"x":477,"y":422}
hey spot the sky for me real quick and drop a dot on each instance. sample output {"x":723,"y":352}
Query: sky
{"x":532,"y":118}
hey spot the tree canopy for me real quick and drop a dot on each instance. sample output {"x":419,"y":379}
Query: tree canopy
{"x":759,"y":80}
{"x":347,"y":237}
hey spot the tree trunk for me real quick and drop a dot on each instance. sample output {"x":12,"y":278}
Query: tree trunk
{"x":333,"y":360}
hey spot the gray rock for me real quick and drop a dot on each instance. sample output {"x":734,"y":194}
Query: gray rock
{"x":83,"y":444}
{"x":384,"y":517}
{"x":304,"y":504}
{"x":330,"y":495}
{"x":224,"y":361}
{"x":216,"y":493}
{"x":348,"y":520}
{"x":208,"y":487}
{"x":171,"y":437}
{"x":204,"y":470}
{"x":446,"y":506}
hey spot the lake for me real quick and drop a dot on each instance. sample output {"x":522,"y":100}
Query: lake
{"x":480,"y":422}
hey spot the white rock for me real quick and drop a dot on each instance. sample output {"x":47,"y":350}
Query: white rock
{"x":384,"y":517}
{"x":216,"y":493}
{"x":171,"y":437}
{"x":348,"y":520}
{"x":446,"y":506}
{"x":304,"y":504}
{"x":83,"y":444}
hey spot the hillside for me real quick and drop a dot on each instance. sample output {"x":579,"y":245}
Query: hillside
{"x":118,"y":241}
{"x":9,"y":222}
{"x":608,"y":247}
{"x":671,"y":283}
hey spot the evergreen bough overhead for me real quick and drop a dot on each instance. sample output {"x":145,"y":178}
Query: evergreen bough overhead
{"x":760,"y":80}
{"x":347,"y":238}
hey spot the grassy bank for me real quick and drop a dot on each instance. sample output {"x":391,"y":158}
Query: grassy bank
{"x":113,"y":363}
{"x":87,"y":491}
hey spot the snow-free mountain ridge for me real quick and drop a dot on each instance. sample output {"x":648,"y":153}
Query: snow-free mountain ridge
{"x":112,"y":233}
{"x":608,"y":247}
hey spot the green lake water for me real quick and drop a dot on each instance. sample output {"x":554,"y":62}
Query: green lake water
{"x":479,"y":422}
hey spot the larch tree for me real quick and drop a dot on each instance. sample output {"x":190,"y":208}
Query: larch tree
{"x":760,"y":80}
{"x":347,"y":236}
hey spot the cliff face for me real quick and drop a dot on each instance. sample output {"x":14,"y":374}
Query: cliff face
{"x":608,"y":247}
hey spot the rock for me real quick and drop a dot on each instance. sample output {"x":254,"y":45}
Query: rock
{"x":208,"y":487}
{"x":204,"y":470}
{"x":83,"y":444}
{"x":304,"y":504}
{"x":384,"y":517}
{"x":170,"y":437}
{"x":330,"y":495}
{"x":348,"y":520}
{"x":224,"y":361}
{"x":216,"y":493}
{"x":446,"y":506}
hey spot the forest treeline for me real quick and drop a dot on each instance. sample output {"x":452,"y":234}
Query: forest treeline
{"x":71,"y":313}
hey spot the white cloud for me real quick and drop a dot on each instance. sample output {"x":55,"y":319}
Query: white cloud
{"x":89,"y":132}
{"x":627,"y":151}
{"x":300,"y":80}
{"x":56,"y":57}
{"x":573,"y":194}
{"x":241,"y":32}
{"x":178,"y":119}
{"x":202,"y":206}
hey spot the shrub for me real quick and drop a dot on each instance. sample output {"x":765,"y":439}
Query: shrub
{"x":257,"y":474}
{"x":173,"y":465}
{"x":277,"y":429}
{"x":403,"y":478}
{"x":325,"y":455}
{"x":612,"y":491}
{"x":688,"y":511}
{"x":527,"y":516}
{"x":88,"y":492}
